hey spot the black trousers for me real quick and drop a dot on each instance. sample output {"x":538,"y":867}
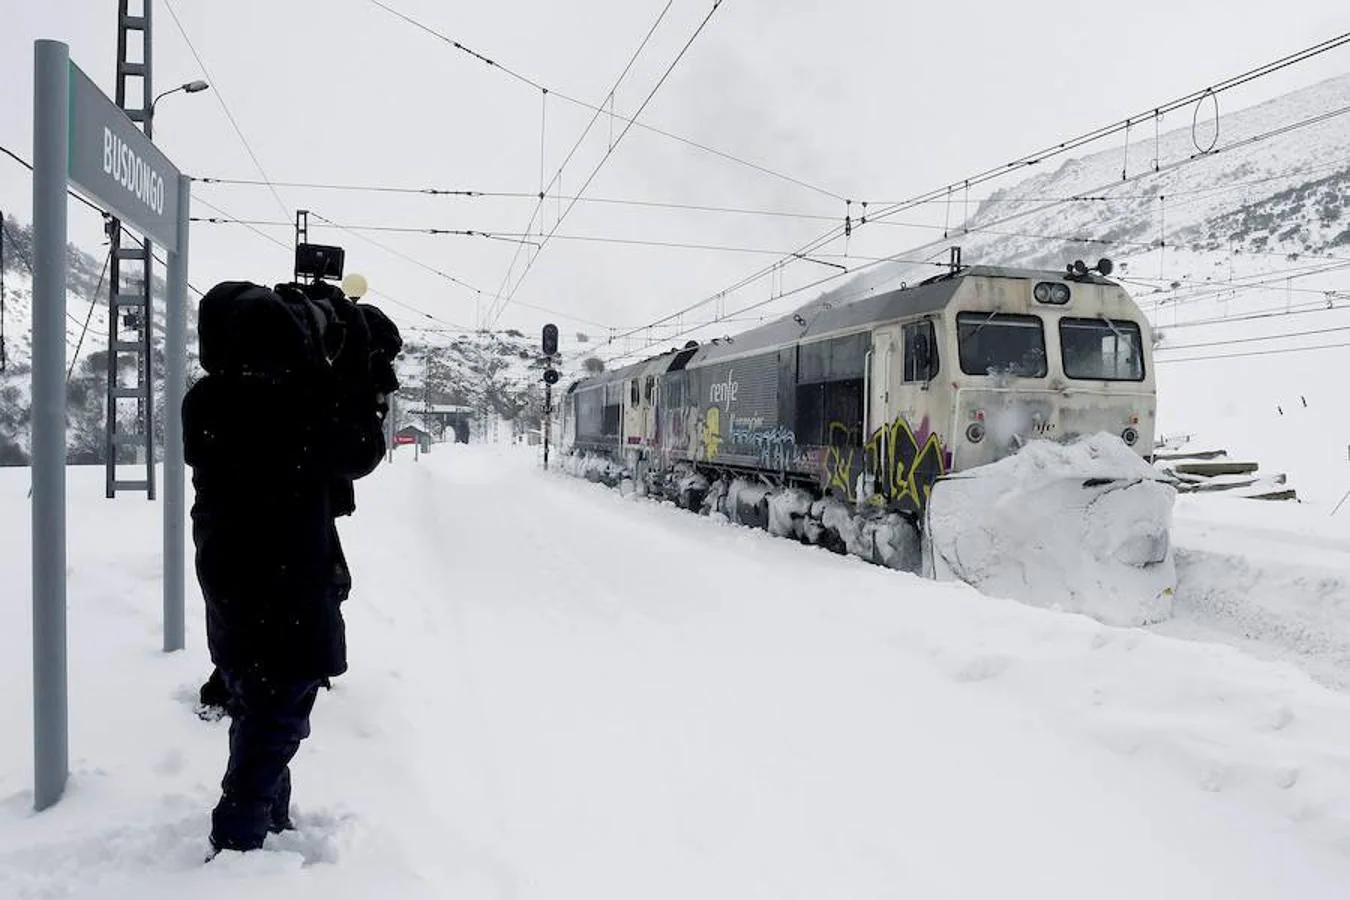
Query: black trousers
{"x":270,"y":719}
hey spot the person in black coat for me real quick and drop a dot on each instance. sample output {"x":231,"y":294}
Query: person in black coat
{"x":289,"y":414}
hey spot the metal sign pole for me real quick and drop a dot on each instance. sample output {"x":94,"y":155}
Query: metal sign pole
{"x":51,"y":147}
{"x":175,"y":386}
{"x":81,"y":136}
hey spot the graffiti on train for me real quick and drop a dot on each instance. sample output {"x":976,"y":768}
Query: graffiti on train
{"x":897,"y":465}
{"x":772,"y":446}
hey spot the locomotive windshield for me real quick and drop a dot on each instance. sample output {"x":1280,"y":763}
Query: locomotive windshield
{"x":996,"y":343}
{"x":1102,"y":349}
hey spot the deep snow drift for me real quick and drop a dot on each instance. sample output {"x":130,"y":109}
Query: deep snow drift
{"x":556,"y":692}
{"x":1083,"y":526}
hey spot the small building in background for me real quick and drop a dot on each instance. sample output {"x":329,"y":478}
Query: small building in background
{"x":413,"y":435}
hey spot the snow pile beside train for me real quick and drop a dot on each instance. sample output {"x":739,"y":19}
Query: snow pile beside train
{"x":1083,"y":527}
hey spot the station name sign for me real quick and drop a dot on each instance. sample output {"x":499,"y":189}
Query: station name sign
{"x":117,"y":165}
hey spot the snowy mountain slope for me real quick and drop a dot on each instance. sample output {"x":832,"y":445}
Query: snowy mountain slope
{"x":774,"y":721}
{"x":1240,"y":258}
{"x":497,"y":373}
{"x":86,"y":289}
{"x":86,"y":331}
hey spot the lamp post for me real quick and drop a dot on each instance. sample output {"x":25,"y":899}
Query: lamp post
{"x":175,"y":377}
{"x":190,"y":87}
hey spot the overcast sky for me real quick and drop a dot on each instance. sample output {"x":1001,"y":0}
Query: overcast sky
{"x":871,"y":100}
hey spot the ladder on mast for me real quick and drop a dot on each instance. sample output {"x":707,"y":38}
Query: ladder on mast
{"x":130,"y":308}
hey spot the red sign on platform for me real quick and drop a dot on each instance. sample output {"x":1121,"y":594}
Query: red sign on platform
{"x":404,"y":439}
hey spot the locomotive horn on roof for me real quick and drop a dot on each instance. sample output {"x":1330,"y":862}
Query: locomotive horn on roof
{"x":1079,"y":269}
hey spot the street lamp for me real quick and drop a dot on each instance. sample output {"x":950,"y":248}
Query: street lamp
{"x":190,"y":87}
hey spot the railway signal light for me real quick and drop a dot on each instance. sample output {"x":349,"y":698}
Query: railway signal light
{"x":550,"y":376}
{"x":550,"y":342}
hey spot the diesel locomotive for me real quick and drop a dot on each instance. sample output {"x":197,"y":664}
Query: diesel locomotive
{"x":872,"y":400}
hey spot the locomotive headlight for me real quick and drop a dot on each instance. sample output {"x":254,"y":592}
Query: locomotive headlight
{"x":1129,"y":436}
{"x":975,"y":432}
{"x":1051,"y":292}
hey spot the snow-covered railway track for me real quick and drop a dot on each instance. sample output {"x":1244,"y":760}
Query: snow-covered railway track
{"x":1278,"y":594}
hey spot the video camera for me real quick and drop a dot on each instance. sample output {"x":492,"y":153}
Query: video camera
{"x":319,"y":261}
{"x":355,"y":335}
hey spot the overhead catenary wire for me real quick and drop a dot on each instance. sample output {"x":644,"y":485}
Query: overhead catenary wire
{"x":288,"y":248}
{"x":1258,"y":281}
{"x":628,"y":120}
{"x":89,"y":315}
{"x":1081,"y":197}
{"x":1253,"y":339}
{"x":1302,"y":310}
{"x":1251,"y":353}
{"x":253,"y":226}
{"x":1175,"y":165}
{"x":220,"y":98}
{"x":95,"y":207}
{"x":356,"y":231}
{"x":359,"y":229}
{"x":500,"y":306}
{"x":557,"y":176}
{"x":1072,"y":143}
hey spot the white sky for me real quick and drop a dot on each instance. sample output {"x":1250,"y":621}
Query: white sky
{"x":870,"y":100}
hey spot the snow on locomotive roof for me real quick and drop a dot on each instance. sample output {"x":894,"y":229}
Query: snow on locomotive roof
{"x":836,"y":312}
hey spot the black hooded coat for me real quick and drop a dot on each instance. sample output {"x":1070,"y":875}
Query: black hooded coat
{"x":274,"y":451}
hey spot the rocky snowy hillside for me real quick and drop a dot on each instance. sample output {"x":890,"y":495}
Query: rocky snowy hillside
{"x":497,"y":374}
{"x":1240,"y":257}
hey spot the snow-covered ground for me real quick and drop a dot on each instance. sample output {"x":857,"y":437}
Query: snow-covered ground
{"x":556,"y":692}
{"x":1270,"y":578}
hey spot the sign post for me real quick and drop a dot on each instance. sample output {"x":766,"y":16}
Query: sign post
{"x":51,"y":136}
{"x":81,"y":136}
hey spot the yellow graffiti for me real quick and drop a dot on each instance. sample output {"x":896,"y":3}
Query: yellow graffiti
{"x":712,"y":432}
{"x":905,"y":468}
{"x":839,"y":460}
{"x":901,"y":468}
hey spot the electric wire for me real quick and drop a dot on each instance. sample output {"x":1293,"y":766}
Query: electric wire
{"x":1073,"y":143}
{"x":252,"y":225}
{"x":1251,"y":353}
{"x":557,"y":176}
{"x":89,"y":315}
{"x":1255,"y":339}
{"x":629,"y":120}
{"x":288,"y":248}
{"x":533,"y":195}
{"x":220,"y":98}
{"x":497,"y":311}
{"x":358,"y":230}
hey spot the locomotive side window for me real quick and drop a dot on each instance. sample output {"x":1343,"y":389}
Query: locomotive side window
{"x":1102,"y":349}
{"x":675,"y":389}
{"x":994,"y":343}
{"x":634,"y":393}
{"x":921,"y":352}
{"x":829,"y":398}
{"x":613,"y":410}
